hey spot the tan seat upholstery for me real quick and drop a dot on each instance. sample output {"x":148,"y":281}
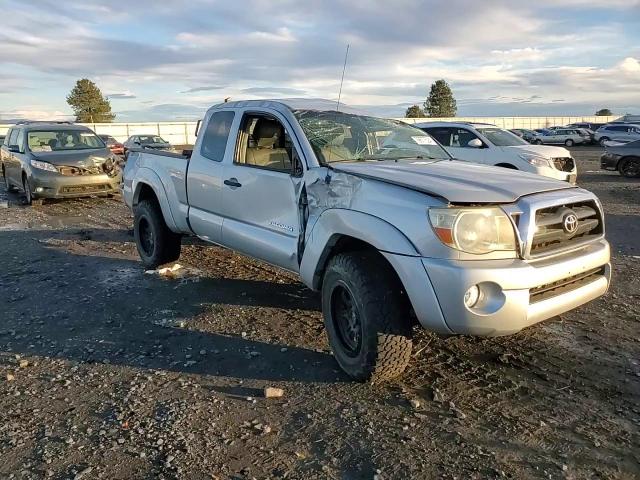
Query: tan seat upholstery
{"x":335,"y":150}
{"x":263,"y":148}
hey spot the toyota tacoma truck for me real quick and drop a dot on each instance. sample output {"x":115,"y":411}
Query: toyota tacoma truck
{"x":377,"y":216}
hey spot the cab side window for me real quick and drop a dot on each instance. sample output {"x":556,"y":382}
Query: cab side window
{"x":462,"y":137}
{"x":20,"y":141}
{"x":13,"y":138}
{"x":265,"y":144}
{"x":442,"y":135}
{"x":6,"y":138}
{"x":214,"y":140}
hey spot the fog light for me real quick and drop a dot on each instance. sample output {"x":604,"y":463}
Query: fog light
{"x":39,"y":189}
{"x":472,"y":296}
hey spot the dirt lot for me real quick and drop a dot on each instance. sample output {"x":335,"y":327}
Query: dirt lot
{"x":108,"y":372}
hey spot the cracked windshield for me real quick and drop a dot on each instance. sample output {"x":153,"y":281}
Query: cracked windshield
{"x":343,"y":137}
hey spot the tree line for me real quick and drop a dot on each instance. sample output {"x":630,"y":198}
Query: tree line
{"x":91,"y":106}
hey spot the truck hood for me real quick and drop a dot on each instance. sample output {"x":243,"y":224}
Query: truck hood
{"x":455,"y":181}
{"x":545,"y":151}
{"x":75,"y":158}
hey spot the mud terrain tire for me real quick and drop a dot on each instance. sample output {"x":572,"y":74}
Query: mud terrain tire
{"x":156,"y":243}
{"x":366,"y":315}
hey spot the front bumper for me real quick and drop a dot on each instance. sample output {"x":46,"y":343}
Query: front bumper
{"x":570,"y":177}
{"x":45,"y":184}
{"x":511,"y":289}
{"x":609,"y":161}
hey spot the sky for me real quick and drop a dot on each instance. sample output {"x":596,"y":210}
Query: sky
{"x":171,"y":60}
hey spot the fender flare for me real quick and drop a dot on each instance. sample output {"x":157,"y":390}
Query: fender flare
{"x":149,"y":178}
{"x":336,"y":223}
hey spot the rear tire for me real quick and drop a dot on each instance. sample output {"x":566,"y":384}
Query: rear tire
{"x":7,"y":184}
{"x":156,"y":243}
{"x":568,"y":142}
{"x":537,"y":142}
{"x":366,"y":315}
{"x":629,"y":167}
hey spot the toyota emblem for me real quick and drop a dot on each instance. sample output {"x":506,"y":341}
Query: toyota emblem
{"x":570,"y":223}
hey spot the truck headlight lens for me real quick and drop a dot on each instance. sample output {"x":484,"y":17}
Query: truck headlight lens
{"x":43,"y":166}
{"x":535,"y":160}
{"x":473,"y":230}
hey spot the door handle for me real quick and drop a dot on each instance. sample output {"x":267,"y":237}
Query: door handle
{"x":233,"y":182}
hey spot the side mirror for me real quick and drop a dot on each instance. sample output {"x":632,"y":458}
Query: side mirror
{"x":14,"y":149}
{"x":475,"y":143}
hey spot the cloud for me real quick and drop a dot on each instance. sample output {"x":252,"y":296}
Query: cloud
{"x":34,"y":113}
{"x":120,"y":95}
{"x":205,"y":88}
{"x":273,"y":91}
{"x":186,"y":55}
{"x":630,"y":65}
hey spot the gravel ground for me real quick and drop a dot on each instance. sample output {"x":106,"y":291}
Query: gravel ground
{"x":108,"y":372}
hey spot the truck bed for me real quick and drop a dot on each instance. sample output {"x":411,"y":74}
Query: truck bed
{"x":166,"y":170}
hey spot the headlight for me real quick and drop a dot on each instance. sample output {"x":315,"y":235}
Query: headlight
{"x":43,"y":166}
{"x":473,"y":230}
{"x":535,"y":160}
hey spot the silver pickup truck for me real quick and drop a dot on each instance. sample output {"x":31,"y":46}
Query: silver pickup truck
{"x":378,"y":216}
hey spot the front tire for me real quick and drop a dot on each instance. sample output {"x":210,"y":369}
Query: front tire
{"x":629,"y":167}
{"x":156,"y":243}
{"x":537,"y":142}
{"x":28,"y":194}
{"x":366,"y":315}
{"x":603,"y":140}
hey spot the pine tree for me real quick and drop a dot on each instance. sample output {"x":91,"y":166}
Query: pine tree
{"x":414,"y":111}
{"x":604,"y":112}
{"x":440,"y":102}
{"x":88,"y":103}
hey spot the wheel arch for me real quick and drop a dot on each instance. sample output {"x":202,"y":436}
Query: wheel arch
{"x":338,"y":231}
{"x":506,"y":165}
{"x":147,"y":187}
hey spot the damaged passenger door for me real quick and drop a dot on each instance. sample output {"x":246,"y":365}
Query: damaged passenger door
{"x":262,"y":193}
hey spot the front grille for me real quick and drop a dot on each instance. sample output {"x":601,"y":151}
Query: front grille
{"x":78,"y":171}
{"x":86,"y":188}
{"x":550,"y":290}
{"x":564,"y":164}
{"x":551,"y":232}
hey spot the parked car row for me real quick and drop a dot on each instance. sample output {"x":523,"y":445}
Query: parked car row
{"x":581,"y":134}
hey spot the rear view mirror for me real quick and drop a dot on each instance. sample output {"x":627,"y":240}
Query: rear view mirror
{"x":475,"y":143}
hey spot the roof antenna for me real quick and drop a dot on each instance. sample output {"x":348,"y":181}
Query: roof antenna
{"x":346,"y":55}
{"x":327,"y":178}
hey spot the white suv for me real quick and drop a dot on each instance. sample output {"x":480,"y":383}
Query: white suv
{"x":491,"y":145}
{"x":620,"y":132}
